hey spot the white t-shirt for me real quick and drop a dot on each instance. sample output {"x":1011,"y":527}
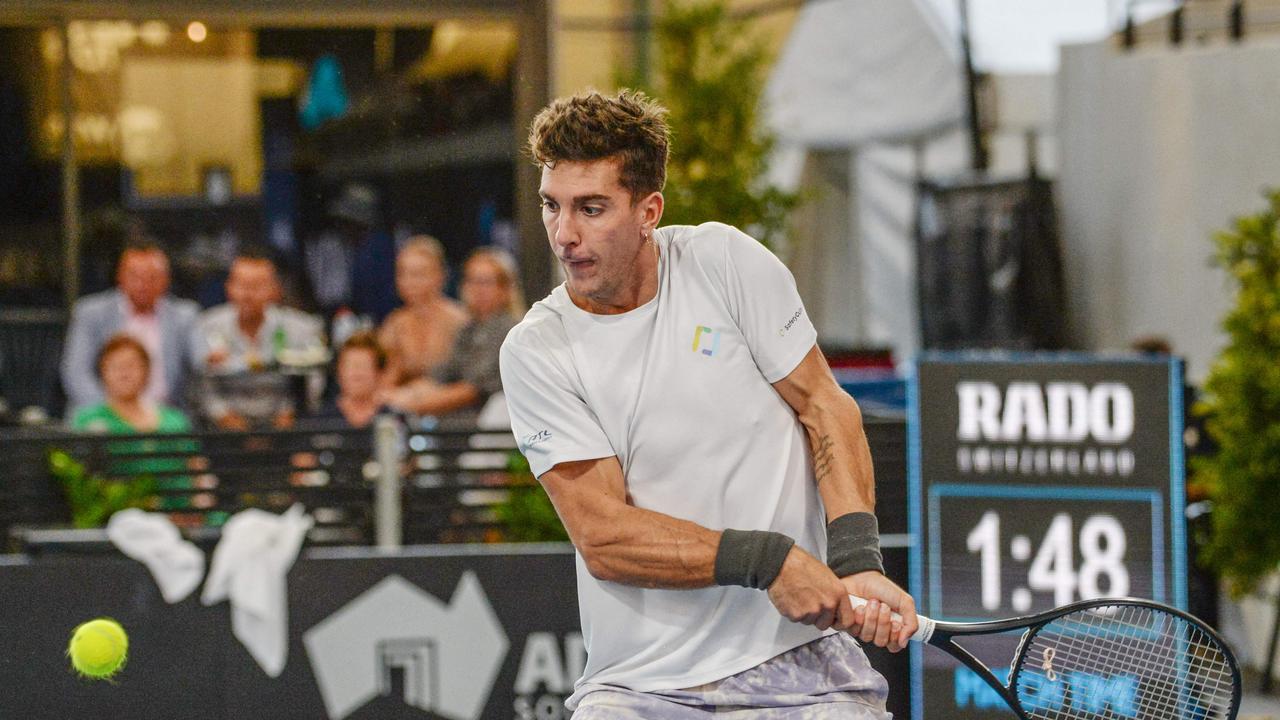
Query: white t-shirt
{"x":679,"y":389}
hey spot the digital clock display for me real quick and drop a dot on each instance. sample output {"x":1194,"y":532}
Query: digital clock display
{"x":1036,"y":481}
{"x":1022,"y":550}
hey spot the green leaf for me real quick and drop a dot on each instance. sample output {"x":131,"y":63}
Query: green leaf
{"x":92,"y":499}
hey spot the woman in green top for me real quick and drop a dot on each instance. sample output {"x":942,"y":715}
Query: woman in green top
{"x":124,"y":368}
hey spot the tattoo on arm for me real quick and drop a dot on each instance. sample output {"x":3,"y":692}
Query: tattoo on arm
{"x":823,"y":458}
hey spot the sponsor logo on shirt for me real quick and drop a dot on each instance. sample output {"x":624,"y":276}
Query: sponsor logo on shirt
{"x":782,"y":331}
{"x":706,"y":340}
{"x":538,"y":437}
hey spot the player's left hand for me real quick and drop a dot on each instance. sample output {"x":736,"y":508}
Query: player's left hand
{"x":874,"y":622}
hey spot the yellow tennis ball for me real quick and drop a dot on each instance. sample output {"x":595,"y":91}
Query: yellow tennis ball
{"x":98,"y":648}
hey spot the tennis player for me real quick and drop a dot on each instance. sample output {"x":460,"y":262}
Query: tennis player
{"x":714,"y":478}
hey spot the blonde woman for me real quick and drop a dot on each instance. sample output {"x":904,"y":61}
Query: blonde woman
{"x":419,"y":336}
{"x":460,"y":387}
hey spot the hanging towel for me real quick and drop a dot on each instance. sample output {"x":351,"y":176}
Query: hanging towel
{"x":249,"y":568}
{"x":152,"y":539}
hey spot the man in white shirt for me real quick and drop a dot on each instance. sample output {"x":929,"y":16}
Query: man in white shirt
{"x":672,"y":400}
{"x":238,"y":348}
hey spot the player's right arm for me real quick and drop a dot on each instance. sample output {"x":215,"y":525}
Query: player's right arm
{"x":571,"y":455}
{"x":620,"y":542}
{"x":632,"y":546}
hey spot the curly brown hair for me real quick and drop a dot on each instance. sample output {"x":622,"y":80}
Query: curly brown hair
{"x":590,"y":126}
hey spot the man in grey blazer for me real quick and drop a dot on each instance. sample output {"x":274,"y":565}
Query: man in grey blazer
{"x":141,"y":306}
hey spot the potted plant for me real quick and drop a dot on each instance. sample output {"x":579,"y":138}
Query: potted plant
{"x":1242,"y":404}
{"x":92,"y":498}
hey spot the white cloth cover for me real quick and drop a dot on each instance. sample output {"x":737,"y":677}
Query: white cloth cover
{"x":249,"y":567}
{"x":897,"y":76}
{"x":848,"y":134}
{"x":153,"y":540}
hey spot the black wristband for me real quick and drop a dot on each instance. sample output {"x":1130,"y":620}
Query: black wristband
{"x":853,"y":544}
{"x":751,"y":558}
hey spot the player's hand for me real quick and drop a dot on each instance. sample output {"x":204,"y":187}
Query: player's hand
{"x":874,"y":622}
{"x":806,"y":591}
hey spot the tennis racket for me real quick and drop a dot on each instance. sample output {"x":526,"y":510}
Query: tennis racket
{"x":1105,"y":659}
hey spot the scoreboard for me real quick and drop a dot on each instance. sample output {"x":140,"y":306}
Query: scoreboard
{"x":1037,"y":480}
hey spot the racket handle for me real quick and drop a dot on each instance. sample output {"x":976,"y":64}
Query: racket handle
{"x":922,"y":634}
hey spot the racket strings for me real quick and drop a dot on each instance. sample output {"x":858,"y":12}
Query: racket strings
{"x":1156,"y":695}
{"x":1056,"y":707}
{"x":1075,"y":653}
{"x":1111,"y":663}
{"x":1120,"y":661}
{"x":1132,"y":658}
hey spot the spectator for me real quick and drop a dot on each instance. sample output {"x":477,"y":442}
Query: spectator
{"x":124,"y":366}
{"x":361,"y":364}
{"x":141,"y":306}
{"x":459,"y":388}
{"x":419,"y":336}
{"x":242,"y":347}
{"x":1151,"y":345}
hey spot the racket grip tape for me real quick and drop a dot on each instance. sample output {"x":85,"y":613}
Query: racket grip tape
{"x":922,"y":634}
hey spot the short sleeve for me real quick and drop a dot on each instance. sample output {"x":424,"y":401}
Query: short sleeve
{"x":550,"y":420}
{"x":173,"y":420}
{"x":763,"y":298}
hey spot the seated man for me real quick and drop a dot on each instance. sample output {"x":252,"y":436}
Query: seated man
{"x":241,"y":348}
{"x":140,"y":306}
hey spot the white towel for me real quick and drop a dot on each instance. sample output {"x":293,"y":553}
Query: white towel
{"x":152,"y":539}
{"x":249,"y":567}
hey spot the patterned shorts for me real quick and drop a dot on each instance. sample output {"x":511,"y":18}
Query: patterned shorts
{"x":826,"y":679}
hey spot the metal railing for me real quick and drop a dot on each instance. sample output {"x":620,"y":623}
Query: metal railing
{"x":383,"y":486}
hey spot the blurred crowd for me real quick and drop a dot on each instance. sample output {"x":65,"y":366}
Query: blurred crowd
{"x":138,"y":359}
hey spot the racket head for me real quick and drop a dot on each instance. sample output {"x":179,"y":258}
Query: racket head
{"x":1123,"y":659}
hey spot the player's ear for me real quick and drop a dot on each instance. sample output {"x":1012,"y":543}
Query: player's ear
{"x":650,"y":207}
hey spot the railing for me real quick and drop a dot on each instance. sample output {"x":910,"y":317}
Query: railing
{"x":385,"y":486}
{"x":382,"y":486}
